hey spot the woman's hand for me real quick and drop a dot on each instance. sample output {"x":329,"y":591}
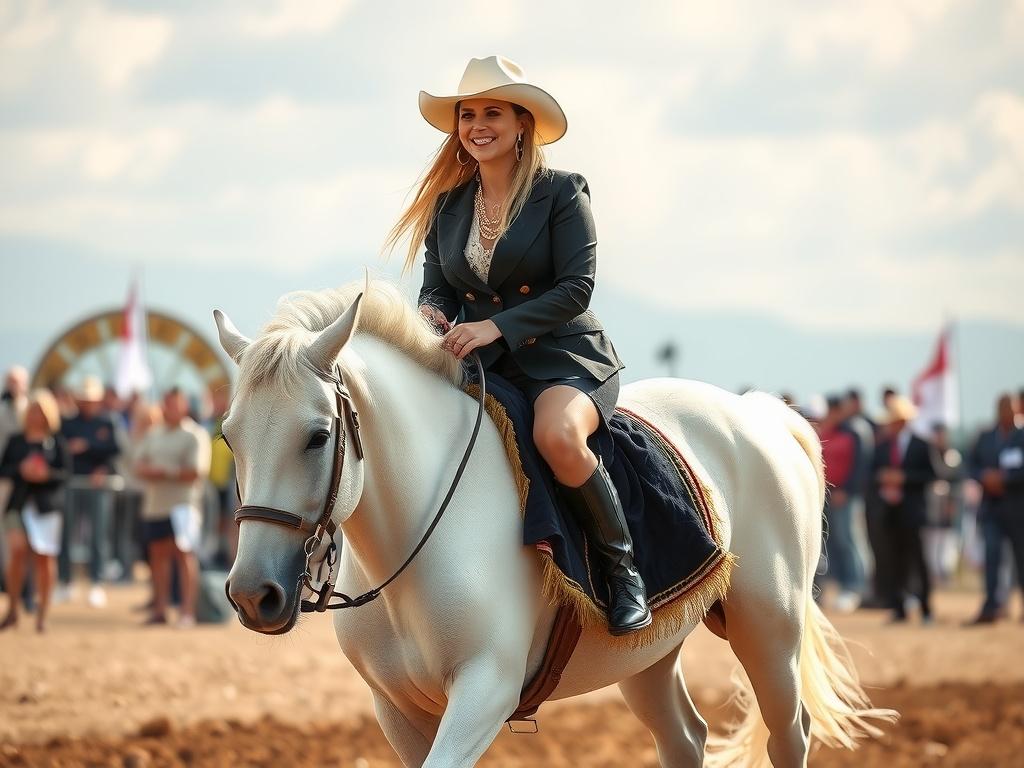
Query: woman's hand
{"x":436,"y":316}
{"x":34,"y":469}
{"x":465,"y":337}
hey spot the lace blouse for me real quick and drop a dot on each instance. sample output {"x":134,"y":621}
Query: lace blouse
{"x":479,"y":258}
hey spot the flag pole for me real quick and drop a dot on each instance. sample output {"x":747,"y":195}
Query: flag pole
{"x":955,"y":344}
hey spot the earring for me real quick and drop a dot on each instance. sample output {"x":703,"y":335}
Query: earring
{"x":458,"y":156}
{"x":519,"y":146}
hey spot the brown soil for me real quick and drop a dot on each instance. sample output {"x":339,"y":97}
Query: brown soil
{"x":98,"y":690}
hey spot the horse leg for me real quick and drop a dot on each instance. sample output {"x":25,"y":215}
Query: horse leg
{"x":481,"y":696}
{"x":411,"y":741}
{"x":766,"y":638}
{"x":659,"y":699}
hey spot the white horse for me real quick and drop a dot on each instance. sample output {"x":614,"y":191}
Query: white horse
{"x":447,"y":647}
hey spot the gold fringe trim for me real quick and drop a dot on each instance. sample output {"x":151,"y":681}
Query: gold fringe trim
{"x":678,"y":606}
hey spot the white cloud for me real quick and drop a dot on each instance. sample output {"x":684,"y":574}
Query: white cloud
{"x":36,"y":35}
{"x":91,"y":155}
{"x":294,"y":17}
{"x":117,"y":45}
{"x":880,"y":32}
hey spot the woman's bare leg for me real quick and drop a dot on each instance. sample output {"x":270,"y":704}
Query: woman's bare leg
{"x":564,"y":417}
{"x":46,"y":575}
{"x":14,"y":577}
{"x":161,"y":552}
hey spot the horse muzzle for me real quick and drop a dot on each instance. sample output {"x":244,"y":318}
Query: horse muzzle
{"x":265,"y":606}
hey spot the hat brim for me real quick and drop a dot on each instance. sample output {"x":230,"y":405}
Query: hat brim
{"x":550,"y":121}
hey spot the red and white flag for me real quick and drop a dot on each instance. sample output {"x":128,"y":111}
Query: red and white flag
{"x":934,"y":391}
{"x":133,"y":374}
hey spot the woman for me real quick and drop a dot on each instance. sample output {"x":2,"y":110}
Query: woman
{"x":39,"y":464}
{"x":510,"y":244}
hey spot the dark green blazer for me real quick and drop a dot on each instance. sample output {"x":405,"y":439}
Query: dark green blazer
{"x":539,"y":284}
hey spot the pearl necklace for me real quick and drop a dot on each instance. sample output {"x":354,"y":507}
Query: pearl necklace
{"x":488,"y":227}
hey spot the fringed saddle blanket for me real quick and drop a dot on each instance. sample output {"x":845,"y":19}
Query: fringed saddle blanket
{"x":669,"y":512}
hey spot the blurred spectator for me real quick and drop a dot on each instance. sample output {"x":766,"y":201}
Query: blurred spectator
{"x":863,"y":431}
{"x":173,"y":461}
{"x":855,"y":411}
{"x":13,"y":402}
{"x":94,"y":441}
{"x":945,"y":502}
{"x":128,"y":511}
{"x":12,"y":408}
{"x":38,"y":462}
{"x":997,"y":463}
{"x":222,"y":477}
{"x":902,"y":469}
{"x":839,"y":454}
{"x":888,"y":393}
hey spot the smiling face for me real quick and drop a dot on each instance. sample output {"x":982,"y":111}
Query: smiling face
{"x":488,"y":128}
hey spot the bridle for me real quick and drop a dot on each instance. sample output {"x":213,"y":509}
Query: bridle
{"x":325,"y":525}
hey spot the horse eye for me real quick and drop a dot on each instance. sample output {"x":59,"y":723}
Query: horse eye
{"x":318,"y":440}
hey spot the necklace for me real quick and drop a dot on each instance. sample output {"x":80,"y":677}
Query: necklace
{"x":488,"y":227}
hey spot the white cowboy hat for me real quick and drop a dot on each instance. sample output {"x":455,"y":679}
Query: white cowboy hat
{"x":900,"y":408}
{"x":503,"y":79}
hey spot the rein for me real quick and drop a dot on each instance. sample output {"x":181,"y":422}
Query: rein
{"x":325,"y":525}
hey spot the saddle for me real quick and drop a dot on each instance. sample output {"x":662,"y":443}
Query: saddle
{"x":671,"y":518}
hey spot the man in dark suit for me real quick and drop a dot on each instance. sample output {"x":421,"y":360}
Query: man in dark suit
{"x":997,"y":463}
{"x":902,"y":469}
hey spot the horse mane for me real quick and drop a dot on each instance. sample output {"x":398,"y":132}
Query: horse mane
{"x":275,"y":356}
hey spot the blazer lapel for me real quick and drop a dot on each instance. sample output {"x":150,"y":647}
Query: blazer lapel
{"x":453,"y":224}
{"x":456,"y":218}
{"x":516,"y":241}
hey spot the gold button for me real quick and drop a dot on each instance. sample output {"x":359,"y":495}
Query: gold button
{"x":496,"y":299}
{"x":470,"y":296}
{"x":530,"y":340}
{"x":524,"y":289}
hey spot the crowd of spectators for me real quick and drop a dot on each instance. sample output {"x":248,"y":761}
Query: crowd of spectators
{"x":907,"y":509}
{"x":91,"y":486}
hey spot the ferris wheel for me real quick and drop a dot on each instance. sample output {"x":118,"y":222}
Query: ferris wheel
{"x":177,"y":354}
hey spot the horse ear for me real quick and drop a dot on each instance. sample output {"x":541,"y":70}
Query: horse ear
{"x":233,"y":342}
{"x":326,"y":347}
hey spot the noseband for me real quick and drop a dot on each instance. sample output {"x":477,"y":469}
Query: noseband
{"x":325,"y":525}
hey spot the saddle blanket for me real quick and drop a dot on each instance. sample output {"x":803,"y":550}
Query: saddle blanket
{"x":669,"y":512}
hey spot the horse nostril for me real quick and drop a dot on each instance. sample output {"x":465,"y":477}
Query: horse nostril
{"x":271,"y":601}
{"x":262,"y":605}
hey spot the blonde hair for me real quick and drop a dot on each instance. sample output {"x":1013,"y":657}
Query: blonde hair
{"x":445,"y":172}
{"x":48,"y":405}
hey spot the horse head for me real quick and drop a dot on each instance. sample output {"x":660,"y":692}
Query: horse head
{"x":284,"y":428}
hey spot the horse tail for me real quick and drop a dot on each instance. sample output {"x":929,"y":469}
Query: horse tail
{"x":830,"y":690}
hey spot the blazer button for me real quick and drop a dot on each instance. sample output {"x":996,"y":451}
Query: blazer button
{"x":470,"y":296}
{"x":524,"y":289}
{"x":496,"y":299}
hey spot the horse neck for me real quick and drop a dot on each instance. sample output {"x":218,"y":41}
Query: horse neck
{"x":413,"y":424}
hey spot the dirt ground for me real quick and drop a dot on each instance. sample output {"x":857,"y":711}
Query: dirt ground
{"x":99,"y":690}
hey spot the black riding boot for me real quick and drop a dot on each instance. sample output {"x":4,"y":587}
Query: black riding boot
{"x":597,"y":509}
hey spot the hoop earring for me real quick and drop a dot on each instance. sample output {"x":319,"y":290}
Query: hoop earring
{"x":458,"y":157}
{"x":519,"y":147}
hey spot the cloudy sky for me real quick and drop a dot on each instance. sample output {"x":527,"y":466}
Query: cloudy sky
{"x":848,"y":172}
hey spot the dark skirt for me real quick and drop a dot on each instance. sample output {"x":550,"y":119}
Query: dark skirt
{"x":604,"y":394}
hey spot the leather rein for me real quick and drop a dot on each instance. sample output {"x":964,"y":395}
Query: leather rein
{"x":325,"y":525}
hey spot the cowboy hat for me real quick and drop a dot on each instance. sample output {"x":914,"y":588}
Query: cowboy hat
{"x":900,"y":409}
{"x":503,"y":79}
{"x":90,"y":390}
